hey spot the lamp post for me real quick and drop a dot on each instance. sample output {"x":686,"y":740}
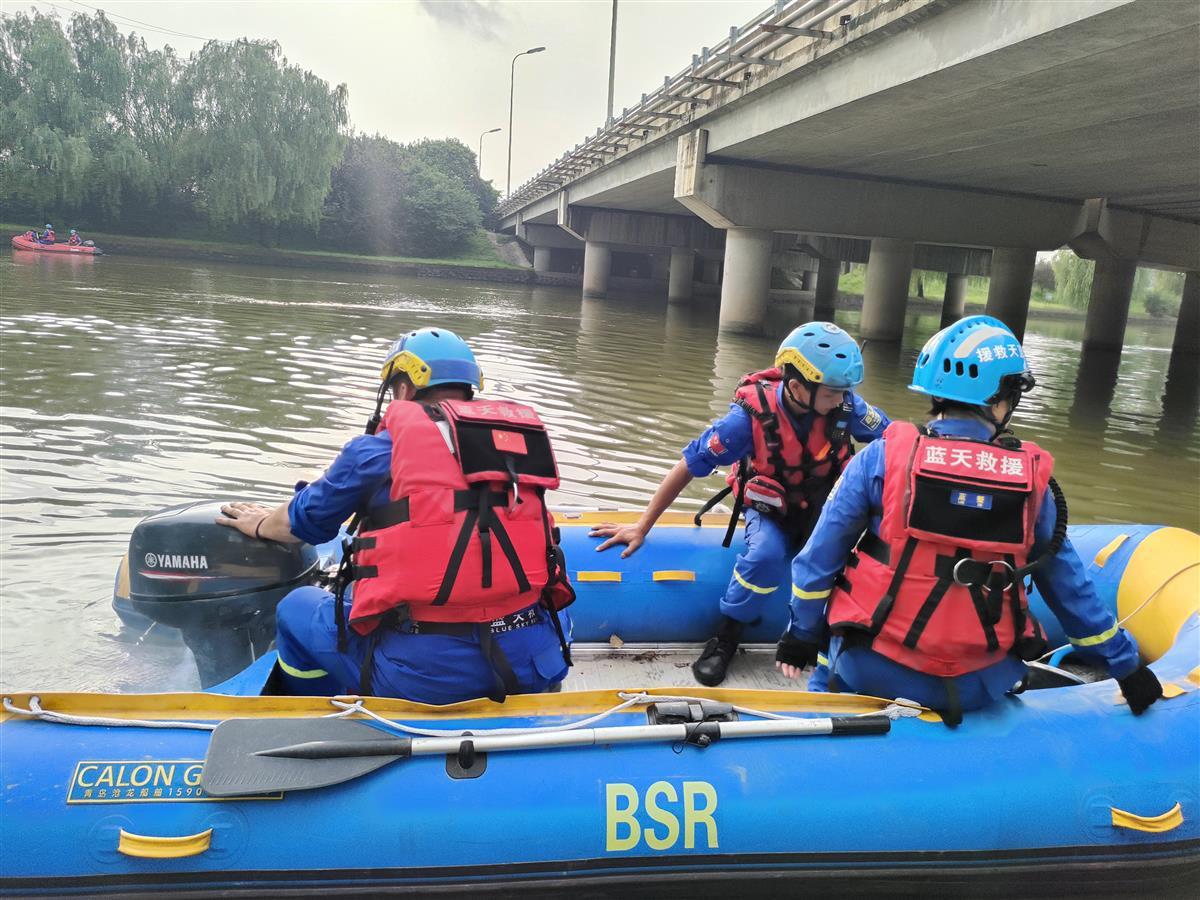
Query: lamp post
{"x":479,"y":155}
{"x":511,"y":77}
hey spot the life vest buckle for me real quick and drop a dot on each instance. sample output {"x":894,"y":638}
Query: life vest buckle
{"x":966,"y":579}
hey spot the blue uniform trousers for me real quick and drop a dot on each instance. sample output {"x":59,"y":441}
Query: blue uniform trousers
{"x":760,"y":568}
{"x":427,"y":668}
{"x":863,"y":671}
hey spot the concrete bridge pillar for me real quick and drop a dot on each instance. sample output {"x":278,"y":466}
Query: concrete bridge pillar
{"x":808,"y":281}
{"x":1010,"y":285}
{"x":1108,"y":307}
{"x":711,"y":272}
{"x":679,"y":285}
{"x":889,"y":269}
{"x":747,"y":280}
{"x":955,"y":302}
{"x":541,"y":259}
{"x":828,"y":273}
{"x":597,"y":260}
{"x":1187,"y":328}
{"x":660,"y":267}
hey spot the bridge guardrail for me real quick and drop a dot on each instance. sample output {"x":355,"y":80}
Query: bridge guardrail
{"x":708,"y":81}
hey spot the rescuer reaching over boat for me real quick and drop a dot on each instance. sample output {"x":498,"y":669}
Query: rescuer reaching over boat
{"x":787,"y":435}
{"x":454,"y":585}
{"x":916,"y":566}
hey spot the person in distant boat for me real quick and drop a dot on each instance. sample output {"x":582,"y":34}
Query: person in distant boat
{"x":787,"y":436}
{"x":74,"y":240}
{"x":916,"y":566}
{"x":47,"y":236}
{"x":455,"y":587}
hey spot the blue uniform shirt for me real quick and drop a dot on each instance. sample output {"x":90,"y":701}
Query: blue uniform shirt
{"x":856,"y":503}
{"x":731,"y":437}
{"x":361,"y":472}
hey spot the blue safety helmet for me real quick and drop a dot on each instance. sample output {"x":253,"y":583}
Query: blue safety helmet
{"x":49,"y":227}
{"x":823,"y":354}
{"x":72,"y":231}
{"x":430,"y":356}
{"x":977,"y":360}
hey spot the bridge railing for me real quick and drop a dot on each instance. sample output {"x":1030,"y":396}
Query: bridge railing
{"x":717,"y":74}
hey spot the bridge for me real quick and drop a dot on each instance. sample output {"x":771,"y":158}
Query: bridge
{"x":957,"y":135}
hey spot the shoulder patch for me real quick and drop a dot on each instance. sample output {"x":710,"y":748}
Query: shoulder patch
{"x":871,"y":418}
{"x":715,"y":446}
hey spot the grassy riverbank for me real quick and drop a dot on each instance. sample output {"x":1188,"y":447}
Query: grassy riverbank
{"x":934,"y":286}
{"x":478,"y":254}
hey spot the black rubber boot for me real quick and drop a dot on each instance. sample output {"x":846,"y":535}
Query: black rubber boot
{"x":713,"y":663}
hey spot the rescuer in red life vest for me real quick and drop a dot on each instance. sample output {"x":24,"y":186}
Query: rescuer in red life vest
{"x":787,"y":435}
{"x":916,"y":565}
{"x":455,"y":587}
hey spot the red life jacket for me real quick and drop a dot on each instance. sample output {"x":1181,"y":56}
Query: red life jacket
{"x":946,"y":500}
{"x":466,"y":536}
{"x":804,"y":471}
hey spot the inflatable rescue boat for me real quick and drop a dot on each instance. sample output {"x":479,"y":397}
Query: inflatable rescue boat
{"x":633,"y":779}
{"x":26,"y":242}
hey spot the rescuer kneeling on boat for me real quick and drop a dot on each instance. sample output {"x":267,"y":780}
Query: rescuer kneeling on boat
{"x":916,"y":564}
{"x":787,"y":435}
{"x":458,"y":583}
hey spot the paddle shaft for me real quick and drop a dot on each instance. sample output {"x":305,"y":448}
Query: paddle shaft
{"x":583,"y":737}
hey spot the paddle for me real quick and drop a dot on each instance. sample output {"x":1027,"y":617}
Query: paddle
{"x":258,"y":756}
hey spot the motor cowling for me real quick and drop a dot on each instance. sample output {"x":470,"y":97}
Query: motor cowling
{"x":217,"y":586}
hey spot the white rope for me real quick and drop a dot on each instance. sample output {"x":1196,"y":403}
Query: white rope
{"x":35,"y":711}
{"x":899,"y":709}
{"x":1158,"y":590}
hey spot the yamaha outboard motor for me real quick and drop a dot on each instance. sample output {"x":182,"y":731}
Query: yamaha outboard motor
{"x":217,"y":586}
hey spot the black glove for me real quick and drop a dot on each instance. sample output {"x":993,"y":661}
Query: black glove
{"x":1141,"y":688}
{"x":794,"y":652}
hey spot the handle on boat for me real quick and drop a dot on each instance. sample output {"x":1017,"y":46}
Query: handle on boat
{"x":256,"y":756}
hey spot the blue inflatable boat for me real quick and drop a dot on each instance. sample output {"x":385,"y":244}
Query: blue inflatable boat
{"x":633,"y":779}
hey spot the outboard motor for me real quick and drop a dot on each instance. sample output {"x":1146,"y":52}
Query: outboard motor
{"x":217,"y":586}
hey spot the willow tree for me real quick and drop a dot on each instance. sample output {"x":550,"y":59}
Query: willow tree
{"x":45,"y":119}
{"x":264,"y":135}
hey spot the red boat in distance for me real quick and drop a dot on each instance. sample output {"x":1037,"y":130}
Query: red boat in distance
{"x":27,"y":242}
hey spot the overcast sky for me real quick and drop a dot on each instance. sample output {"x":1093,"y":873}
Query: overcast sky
{"x":440,"y":68}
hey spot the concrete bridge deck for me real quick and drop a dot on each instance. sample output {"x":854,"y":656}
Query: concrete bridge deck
{"x":1003,"y":126}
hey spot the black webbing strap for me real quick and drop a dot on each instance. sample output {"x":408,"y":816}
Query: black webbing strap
{"x":984,"y":612}
{"x":952,"y":714}
{"x":484,"y":522}
{"x":510,"y":553}
{"x":366,"y":672}
{"x":884,"y":608}
{"x":556,"y":573}
{"x":456,"y":558}
{"x":875,"y":547}
{"x":710,"y":503}
{"x":505,"y":680}
{"x":944,"y":569}
{"x":397,"y":512}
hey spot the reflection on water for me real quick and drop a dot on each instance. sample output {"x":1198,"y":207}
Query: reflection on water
{"x":128,"y":385}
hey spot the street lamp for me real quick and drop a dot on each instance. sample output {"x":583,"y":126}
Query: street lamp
{"x":479,"y":155}
{"x":511,"y":76}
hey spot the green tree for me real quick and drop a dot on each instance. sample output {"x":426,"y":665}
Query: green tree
{"x":437,"y":212}
{"x":454,"y":158}
{"x":1043,"y":276}
{"x":1073,"y":279}
{"x":45,"y":156}
{"x":264,"y":136}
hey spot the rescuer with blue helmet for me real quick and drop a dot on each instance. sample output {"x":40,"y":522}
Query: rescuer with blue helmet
{"x":915,"y":570}
{"x":423,"y":610}
{"x":786,"y":436}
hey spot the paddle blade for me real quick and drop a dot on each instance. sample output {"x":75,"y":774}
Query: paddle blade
{"x":237,"y":763}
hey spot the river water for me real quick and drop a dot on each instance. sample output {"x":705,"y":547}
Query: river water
{"x":132,"y":384}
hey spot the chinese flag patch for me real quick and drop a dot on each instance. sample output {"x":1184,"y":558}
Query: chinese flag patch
{"x":509,"y":441}
{"x":715,"y":446}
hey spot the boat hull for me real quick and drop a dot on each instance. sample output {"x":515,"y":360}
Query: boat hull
{"x":20,"y":242}
{"x":1063,"y":788}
